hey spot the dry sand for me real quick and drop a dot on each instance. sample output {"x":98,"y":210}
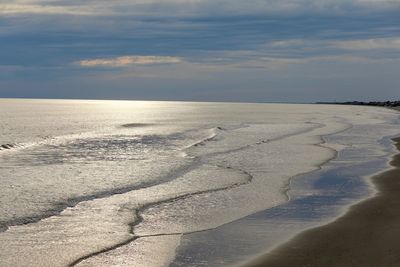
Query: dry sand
{"x":367,"y":235}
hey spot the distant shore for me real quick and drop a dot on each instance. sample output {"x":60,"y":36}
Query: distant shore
{"x":367,"y":235}
{"x":388,"y":104}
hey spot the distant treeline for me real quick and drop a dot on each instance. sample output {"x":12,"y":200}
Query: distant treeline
{"x":372,"y":103}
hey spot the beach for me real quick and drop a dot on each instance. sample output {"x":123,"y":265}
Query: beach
{"x":146,"y":183}
{"x":199,"y":133}
{"x":367,"y":235}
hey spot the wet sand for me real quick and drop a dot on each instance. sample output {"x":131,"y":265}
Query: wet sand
{"x":367,"y":235}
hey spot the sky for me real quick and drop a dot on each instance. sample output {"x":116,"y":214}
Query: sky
{"x":201,"y":50}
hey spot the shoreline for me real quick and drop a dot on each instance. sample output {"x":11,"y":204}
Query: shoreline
{"x":263,"y":231}
{"x":366,"y":235}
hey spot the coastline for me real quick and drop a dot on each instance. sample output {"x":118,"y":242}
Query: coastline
{"x":316,"y":198}
{"x":367,"y":235}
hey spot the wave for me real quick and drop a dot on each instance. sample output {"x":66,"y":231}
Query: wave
{"x":136,"y":125}
{"x":72,"y":202}
{"x":62,"y":139}
{"x":138,"y":214}
{"x":82,"y":146}
{"x":213,"y":132}
{"x":14,"y":146}
{"x":6,"y":146}
{"x":85,"y":147}
{"x":202,"y":142}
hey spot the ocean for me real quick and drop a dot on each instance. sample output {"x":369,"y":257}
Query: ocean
{"x":136,"y":183}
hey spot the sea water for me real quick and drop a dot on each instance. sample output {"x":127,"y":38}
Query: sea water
{"x":119,"y":183}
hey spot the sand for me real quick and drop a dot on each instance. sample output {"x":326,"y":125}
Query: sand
{"x":367,"y":235}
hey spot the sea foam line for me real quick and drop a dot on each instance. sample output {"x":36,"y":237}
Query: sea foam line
{"x":140,"y":210}
{"x":72,"y":202}
{"x":147,"y":206}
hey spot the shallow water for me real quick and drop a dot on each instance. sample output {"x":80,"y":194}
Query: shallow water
{"x":106,"y":183}
{"x":315,"y":198}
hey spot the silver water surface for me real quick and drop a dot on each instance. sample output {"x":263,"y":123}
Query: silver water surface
{"x":99,"y":183}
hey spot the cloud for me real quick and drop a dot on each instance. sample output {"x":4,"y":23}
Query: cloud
{"x":129,"y":60}
{"x":174,"y":8}
{"x":13,"y":9}
{"x":375,"y":43}
{"x":285,"y":62}
{"x":286,"y":43}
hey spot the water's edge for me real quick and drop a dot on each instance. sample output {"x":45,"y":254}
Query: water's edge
{"x":334,"y":188}
{"x":360,"y":237}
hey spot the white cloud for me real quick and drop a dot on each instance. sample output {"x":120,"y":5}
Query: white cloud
{"x":12,"y":9}
{"x":376,"y":43}
{"x":129,"y":60}
{"x":286,"y":43}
